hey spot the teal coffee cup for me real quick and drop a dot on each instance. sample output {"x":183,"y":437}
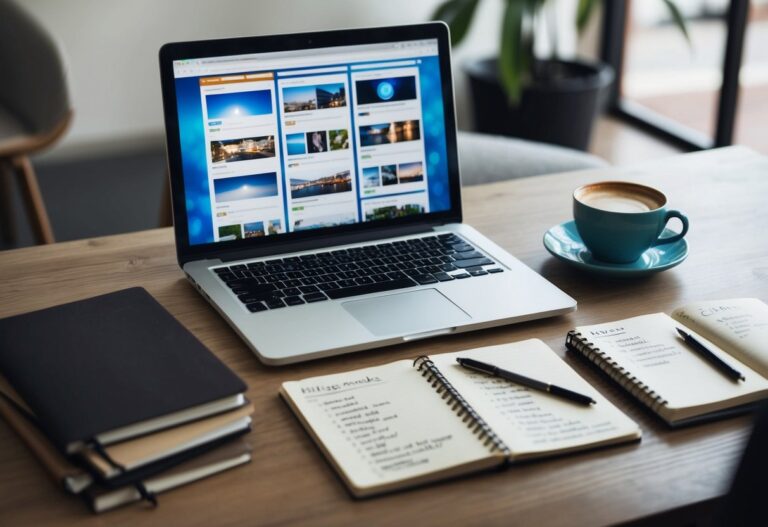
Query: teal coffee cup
{"x":619,"y":221}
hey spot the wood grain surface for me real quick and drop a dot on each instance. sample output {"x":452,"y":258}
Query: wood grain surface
{"x":673,"y":472}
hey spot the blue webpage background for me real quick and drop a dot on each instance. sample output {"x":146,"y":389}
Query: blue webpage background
{"x":195,"y":164}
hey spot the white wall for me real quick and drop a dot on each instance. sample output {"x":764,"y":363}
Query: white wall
{"x":111,"y":50}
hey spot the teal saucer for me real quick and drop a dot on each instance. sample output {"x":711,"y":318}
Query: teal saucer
{"x":563,"y":242}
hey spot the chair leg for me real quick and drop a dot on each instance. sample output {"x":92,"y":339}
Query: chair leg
{"x":30,"y":191}
{"x":7,"y":220}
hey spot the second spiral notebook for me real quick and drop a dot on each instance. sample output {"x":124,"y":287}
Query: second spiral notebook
{"x":408,"y":423}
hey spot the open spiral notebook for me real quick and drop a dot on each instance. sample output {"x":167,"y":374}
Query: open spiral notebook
{"x":408,"y":423}
{"x":647,"y":358}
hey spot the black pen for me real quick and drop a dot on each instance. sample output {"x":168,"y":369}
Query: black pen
{"x":490,"y":369}
{"x":713,"y":359}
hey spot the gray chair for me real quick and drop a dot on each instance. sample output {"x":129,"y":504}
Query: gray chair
{"x":489,"y":158}
{"x":34,"y":112}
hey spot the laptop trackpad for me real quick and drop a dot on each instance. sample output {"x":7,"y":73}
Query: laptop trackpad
{"x":406,"y":313}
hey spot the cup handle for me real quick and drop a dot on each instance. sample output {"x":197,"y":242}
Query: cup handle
{"x":670,"y":239}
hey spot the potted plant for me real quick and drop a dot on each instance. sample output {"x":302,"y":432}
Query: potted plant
{"x":550,"y":100}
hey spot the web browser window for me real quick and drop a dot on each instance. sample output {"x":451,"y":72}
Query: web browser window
{"x":288,"y":141}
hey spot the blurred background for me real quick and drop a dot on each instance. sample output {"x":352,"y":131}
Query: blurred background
{"x":107,"y":173}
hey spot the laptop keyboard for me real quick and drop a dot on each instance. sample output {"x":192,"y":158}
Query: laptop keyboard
{"x":297,"y":280}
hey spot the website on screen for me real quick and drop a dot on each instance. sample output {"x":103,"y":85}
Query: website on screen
{"x":289,"y":141}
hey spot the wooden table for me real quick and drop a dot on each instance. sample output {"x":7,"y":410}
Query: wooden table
{"x":672,"y":474}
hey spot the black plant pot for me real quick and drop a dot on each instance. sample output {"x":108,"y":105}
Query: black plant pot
{"x":559,"y":106}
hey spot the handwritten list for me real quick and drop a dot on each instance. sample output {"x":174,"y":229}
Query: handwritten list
{"x":529,"y":413}
{"x":389,"y":427}
{"x":529,"y":421}
{"x":375,"y":429}
{"x":739,"y":326}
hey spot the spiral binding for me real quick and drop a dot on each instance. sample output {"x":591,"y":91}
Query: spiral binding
{"x":459,"y":405}
{"x":624,"y":377}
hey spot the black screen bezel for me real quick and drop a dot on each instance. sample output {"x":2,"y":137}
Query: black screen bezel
{"x":289,"y":42}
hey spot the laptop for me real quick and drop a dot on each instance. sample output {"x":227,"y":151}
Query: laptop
{"x":317,"y":198}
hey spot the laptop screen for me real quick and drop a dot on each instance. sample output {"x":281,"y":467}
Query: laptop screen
{"x":281,"y":142}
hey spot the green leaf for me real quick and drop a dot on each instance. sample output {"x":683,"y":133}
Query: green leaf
{"x":512,"y":58}
{"x":677,"y":17}
{"x":583,"y":13}
{"x":458,"y":15}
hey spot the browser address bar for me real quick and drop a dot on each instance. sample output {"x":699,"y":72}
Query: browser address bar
{"x":222,"y":67}
{"x":310,"y":71}
{"x":288,"y":62}
{"x":395,"y":64}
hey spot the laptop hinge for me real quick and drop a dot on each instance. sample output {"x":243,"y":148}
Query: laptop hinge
{"x":325,"y":241}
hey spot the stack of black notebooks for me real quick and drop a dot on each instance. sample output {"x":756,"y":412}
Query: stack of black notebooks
{"x":118,"y":400}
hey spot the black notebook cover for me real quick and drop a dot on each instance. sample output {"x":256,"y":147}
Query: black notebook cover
{"x":99,"y":364}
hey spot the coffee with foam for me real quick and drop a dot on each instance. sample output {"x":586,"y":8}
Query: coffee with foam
{"x":621,"y":197}
{"x":618,"y":221}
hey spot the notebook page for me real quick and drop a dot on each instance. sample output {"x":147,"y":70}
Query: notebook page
{"x":739,"y":326}
{"x":529,"y":421}
{"x":649,"y":347}
{"x":384,"y":424}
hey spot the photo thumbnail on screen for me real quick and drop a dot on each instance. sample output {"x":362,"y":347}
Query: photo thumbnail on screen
{"x":320,"y":222}
{"x":245,"y":187}
{"x":389,"y":175}
{"x":246,"y":149}
{"x":308,"y":187}
{"x":391,"y":212}
{"x":371,"y":177}
{"x":371,"y":91}
{"x":254,"y":229}
{"x":410,"y":172}
{"x":389,"y":133}
{"x":239,"y":104}
{"x":296,"y":144}
{"x":317,"y":97}
{"x":339,"y":139}
{"x":317,"y":142}
{"x":230,"y":232}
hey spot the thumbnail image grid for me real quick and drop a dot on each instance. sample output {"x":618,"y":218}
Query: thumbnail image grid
{"x":389,"y":212}
{"x":245,"y":149}
{"x":317,"y":142}
{"x":332,"y":184}
{"x":317,"y":97}
{"x":392,"y":89}
{"x":390,"y":133}
{"x":259,"y":229}
{"x":239,"y":104}
{"x":245,"y":187}
{"x":402,"y":173}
